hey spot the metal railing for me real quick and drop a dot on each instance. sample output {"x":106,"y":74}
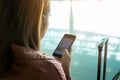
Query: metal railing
{"x":103,"y":43}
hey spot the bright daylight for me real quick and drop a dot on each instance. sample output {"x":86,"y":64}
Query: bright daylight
{"x":91,"y":21}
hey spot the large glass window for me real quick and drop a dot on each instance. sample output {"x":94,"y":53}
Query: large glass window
{"x":90,"y":21}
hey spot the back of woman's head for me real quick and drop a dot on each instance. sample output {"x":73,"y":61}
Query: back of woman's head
{"x":22,"y":22}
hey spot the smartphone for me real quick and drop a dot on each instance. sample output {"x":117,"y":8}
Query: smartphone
{"x":65,"y":43}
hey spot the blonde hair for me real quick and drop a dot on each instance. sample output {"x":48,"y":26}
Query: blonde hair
{"x":22,"y":22}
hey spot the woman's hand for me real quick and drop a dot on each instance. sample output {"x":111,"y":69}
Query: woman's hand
{"x":66,"y":60}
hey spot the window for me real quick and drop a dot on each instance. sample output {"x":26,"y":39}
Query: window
{"x":90,"y":20}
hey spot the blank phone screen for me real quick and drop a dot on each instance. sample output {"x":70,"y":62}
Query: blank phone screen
{"x":64,"y":44}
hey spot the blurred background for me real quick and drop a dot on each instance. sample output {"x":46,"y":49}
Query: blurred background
{"x":90,"y":21}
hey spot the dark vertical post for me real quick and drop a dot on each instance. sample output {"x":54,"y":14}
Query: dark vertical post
{"x":105,"y":59}
{"x":100,"y":46}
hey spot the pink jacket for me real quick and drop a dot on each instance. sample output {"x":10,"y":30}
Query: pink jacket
{"x":28,"y":64}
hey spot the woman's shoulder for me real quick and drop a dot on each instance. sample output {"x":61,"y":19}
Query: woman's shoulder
{"x":27,"y":53}
{"x":23,"y":53}
{"x":34,"y":62}
{"x":52,"y":67}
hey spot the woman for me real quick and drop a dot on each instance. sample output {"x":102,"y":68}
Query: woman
{"x":23,"y":23}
